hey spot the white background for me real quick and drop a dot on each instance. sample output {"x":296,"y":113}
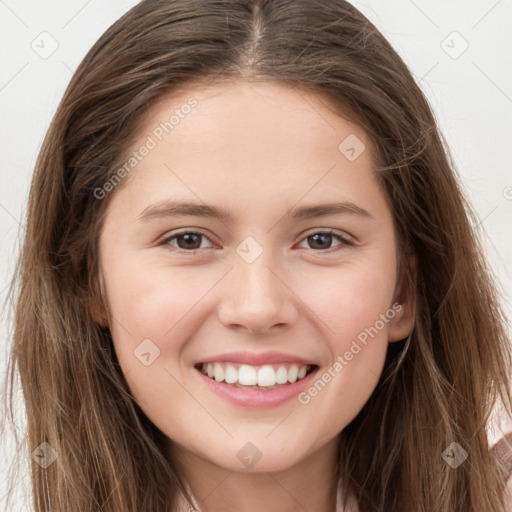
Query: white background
{"x":471,"y":96}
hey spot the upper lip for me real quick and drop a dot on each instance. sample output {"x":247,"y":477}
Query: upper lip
{"x":253,"y":359}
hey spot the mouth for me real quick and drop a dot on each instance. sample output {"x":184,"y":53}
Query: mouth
{"x":262,"y":378}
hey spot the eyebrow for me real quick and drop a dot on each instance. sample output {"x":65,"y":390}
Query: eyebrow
{"x":180,"y":208}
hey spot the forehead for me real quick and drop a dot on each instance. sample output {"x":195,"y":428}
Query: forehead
{"x":246,"y":115}
{"x":240,"y":141}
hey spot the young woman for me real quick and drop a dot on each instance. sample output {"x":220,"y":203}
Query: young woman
{"x":250,"y":280}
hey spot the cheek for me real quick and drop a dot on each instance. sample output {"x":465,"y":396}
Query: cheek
{"x":354,"y":305}
{"x":153,"y":312}
{"x":151,"y":300}
{"x":349,"y":300}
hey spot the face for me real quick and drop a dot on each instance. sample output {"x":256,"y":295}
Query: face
{"x":277,"y":286}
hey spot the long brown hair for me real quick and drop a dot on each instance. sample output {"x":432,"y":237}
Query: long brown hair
{"x":438,"y":387}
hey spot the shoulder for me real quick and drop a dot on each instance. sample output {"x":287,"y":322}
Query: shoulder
{"x":503,"y":450}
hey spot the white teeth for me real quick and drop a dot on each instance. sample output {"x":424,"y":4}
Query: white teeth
{"x":302,"y":372}
{"x":281,"y":375}
{"x":231,"y":374}
{"x":266,"y":376}
{"x":218,"y":372}
{"x":293,"y":373}
{"x":247,"y":375}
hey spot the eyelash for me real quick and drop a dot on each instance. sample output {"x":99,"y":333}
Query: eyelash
{"x":345,"y":240}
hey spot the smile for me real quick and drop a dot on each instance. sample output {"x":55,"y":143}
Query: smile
{"x":269,"y":376}
{"x":253,"y":396}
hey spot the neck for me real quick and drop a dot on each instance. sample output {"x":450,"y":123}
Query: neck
{"x":311,"y":484}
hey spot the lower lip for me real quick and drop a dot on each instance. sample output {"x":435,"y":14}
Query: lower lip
{"x":256,"y":398}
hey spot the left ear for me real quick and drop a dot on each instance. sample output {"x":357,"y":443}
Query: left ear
{"x":404,"y":302}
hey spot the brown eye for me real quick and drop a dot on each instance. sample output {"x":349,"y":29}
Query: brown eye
{"x":189,"y":241}
{"x":186,"y":241}
{"x":322,"y":240}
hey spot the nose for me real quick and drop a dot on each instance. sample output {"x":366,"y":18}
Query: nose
{"x":257,"y":297}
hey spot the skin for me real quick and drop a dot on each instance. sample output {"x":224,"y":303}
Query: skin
{"x":258,"y":149}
